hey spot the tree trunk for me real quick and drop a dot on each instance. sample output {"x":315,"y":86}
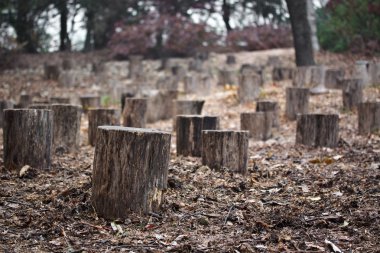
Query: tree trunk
{"x":64,"y":36}
{"x":134,"y":113}
{"x":352,"y":93}
{"x":225,"y":149}
{"x":368,"y":117}
{"x":101,"y":117}
{"x":4,"y":104}
{"x":270,"y":106}
{"x":301,"y":32}
{"x":226,"y":15}
{"x":189,"y":133}
{"x":259,"y":124}
{"x":297,"y":102}
{"x":89,"y":101}
{"x":27,"y":138}
{"x":249,"y":87}
{"x":24,"y":26}
{"x":318,"y":130}
{"x":130,"y":171}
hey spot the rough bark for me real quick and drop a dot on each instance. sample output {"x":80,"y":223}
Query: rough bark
{"x":135,"y":66}
{"x":51,"y":71}
{"x":67,"y":120}
{"x":225,"y":149}
{"x":297,"y":102}
{"x":368,"y":117}
{"x":27,"y":138}
{"x":189,"y":133}
{"x":352,"y":93}
{"x":101,"y":117}
{"x":60,"y":100}
{"x":259,"y":124}
{"x":333,"y":78}
{"x":318,"y":130}
{"x":270,"y":106}
{"x":249,"y":87}
{"x":134,"y":113}
{"x":130,"y":171}
{"x":89,"y":101}
{"x":4,"y":104}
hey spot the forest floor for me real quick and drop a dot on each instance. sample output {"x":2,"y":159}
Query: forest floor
{"x":293,"y":198}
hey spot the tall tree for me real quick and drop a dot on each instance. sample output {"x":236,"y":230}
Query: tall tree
{"x":62,"y":6}
{"x":301,"y":32}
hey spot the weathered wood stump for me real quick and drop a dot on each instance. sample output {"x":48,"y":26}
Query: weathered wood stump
{"x":297,"y":102}
{"x":352,"y":93}
{"x":191,"y":83}
{"x":125,"y":95}
{"x":333,"y":78}
{"x":225,"y":149}
{"x":130,"y":170}
{"x":160,"y":105}
{"x":302,"y":77}
{"x":60,"y":100}
{"x":249,"y":87}
{"x":89,"y":101}
{"x":66,"y":127}
{"x":51,"y":71}
{"x":134,"y":113}
{"x":27,"y":138}
{"x":188,"y":107}
{"x":270,"y":106}
{"x":318,"y":78}
{"x":259,"y":124}
{"x":4,"y":104}
{"x":374,"y":70}
{"x":24,"y":101}
{"x":101,"y":117}
{"x":318,"y":130}
{"x":282,"y":73}
{"x":135,"y":66}
{"x":362,"y":71}
{"x":67,"y":64}
{"x":368,"y":117}
{"x":189,"y":133}
{"x":227,"y":77}
{"x":230,"y":59}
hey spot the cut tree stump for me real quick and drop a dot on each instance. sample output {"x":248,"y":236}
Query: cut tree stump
{"x":25,"y":101}
{"x":196,"y":65}
{"x":230,"y":59}
{"x":89,"y":101}
{"x":125,"y":95}
{"x":135,"y":66}
{"x":160,"y":105}
{"x":60,"y":100}
{"x":352,"y":93}
{"x":259,"y":124}
{"x":368,"y":117}
{"x":101,"y":117}
{"x":362,"y":71}
{"x":227,"y":77}
{"x":67,"y":64}
{"x":189,"y":133}
{"x":134,"y":113}
{"x":249,"y":87}
{"x":188,"y":107}
{"x":297,"y":102}
{"x":130,"y":171}
{"x":270,"y":106}
{"x":318,"y":130}
{"x":51,"y":71}
{"x":67,"y":119}
{"x":333,"y":78}
{"x":282,"y":73}
{"x":226,"y":148}
{"x":27,"y":138}
{"x":4,"y":104}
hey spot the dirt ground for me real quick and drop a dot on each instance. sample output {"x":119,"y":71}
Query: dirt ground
{"x":293,"y":199}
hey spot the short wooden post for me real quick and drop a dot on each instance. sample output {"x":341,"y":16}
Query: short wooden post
{"x":333,"y":78}
{"x":368,"y":117}
{"x":89,"y":101}
{"x":270,"y":106}
{"x":130,"y":171}
{"x":135,"y":66}
{"x":225,"y":149}
{"x":27,"y":138}
{"x":297,"y":101}
{"x":101,"y":117}
{"x":249,"y":87}
{"x":318,"y":130}
{"x":352,"y":93}
{"x":51,"y":71}
{"x":67,"y":120}
{"x":60,"y":100}
{"x":4,"y":104}
{"x":259,"y":124}
{"x":189,"y":133}
{"x":134,"y":113}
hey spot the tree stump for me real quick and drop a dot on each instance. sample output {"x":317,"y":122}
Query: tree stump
{"x":352,"y":93}
{"x":189,"y":133}
{"x":27,"y":138}
{"x":249,"y":87}
{"x":160,"y":105}
{"x":368,"y":117}
{"x":362,"y":71}
{"x":25,"y":101}
{"x":191,"y":83}
{"x":60,"y":100}
{"x":374,"y":70}
{"x":225,"y":149}
{"x":317,"y":82}
{"x":318,"y":130}
{"x":231,"y":59}
{"x":270,"y":106}
{"x":67,"y":64}
{"x":51,"y":71}
{"x":333,"y":78}
{"x":89,"y":101}
{"x":135,"y":66}
{"x":188,"y":107}
{"x":125,"y":95}
{"x":67,"y":120}
{"x":196,"y":65}
{"x":134,"y":113}
{"x":227,"y":77}
{"x":297,"y":101}
{"x":4,"y":104}
{"x":259,"y":124}
{"x":282,"y":73}
{"x":130,"y":171}
{"x":101,"y":117}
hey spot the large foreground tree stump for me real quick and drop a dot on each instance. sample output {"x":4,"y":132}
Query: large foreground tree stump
{"x":101,"y":117}
{"x":297,"y":102}
{"x":66,"y":127}
{"x":249,"y":87}
{"x":318,"y":130}
{"x":368,"y":117}
{"x":130,"y":170}
{"x":134,"y":113}
{"x":135,"y":66}
{"x":225,"y":149}
{"x":4,"y":104}
{"x":352,"y":93}
{"x":189,"y":133}
{"x":259,"y":124}
{"x":27,"y":138}
{"x":270,"y":106}
{"x":89,"y":101}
